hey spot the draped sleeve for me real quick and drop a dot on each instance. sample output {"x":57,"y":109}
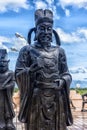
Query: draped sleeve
{"x":66,"y":76}
{"x":23,"y":79}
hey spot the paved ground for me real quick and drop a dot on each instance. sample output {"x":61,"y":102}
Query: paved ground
{"x":80,"y":121}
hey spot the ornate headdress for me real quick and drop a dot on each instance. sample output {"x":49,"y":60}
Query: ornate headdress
{"x":3,"y":55}
{"x":43,"y":15}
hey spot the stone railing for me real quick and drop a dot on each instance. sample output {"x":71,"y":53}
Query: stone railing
{"x":76,"y":99}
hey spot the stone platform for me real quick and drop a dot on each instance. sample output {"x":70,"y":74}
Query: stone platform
{"x":80,"y":121}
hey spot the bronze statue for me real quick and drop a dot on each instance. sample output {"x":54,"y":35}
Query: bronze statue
{"x":6,"y":91}
{"x":43,"y":79}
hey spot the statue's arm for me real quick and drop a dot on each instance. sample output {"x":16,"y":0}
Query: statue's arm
{"x":67,"y":78}
{"x":22,"y":70}
{"x":9,"y":81}
{"x":23,"y":61}
{"x":11,"y":84}
{"x":63,"y":68}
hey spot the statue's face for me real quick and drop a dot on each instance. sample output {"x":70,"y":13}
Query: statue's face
{"x":3,"y":66}
{"x":44,"y":33}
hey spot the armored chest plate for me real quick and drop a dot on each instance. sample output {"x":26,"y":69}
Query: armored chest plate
{"x":48,"y":60}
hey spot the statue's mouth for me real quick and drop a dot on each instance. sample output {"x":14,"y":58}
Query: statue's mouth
{"x":45,"y":38}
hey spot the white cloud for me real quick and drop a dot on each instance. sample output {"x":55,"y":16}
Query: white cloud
{"x":77,"y":3}
{"x":18,"y":43}
{"x":50,"y":1}
{"x":56,"y":16}
{"x":40,"y":4}
{"x":15,"y":43}
{"x":79,"y":73}
{"x":14,"y":5}
{"x":67,"y":12}
{"x":4,"y":39}
{"x":80,"y":35}
{"x":83,"y":31}
{"x":3,"y":47}
{"x":47,"y":4}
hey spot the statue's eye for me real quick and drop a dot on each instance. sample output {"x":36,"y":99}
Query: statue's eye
{"x":41,"y":28}
{"x":49,"y":28}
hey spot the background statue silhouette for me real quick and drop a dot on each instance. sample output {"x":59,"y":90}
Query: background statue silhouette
{"x":6,"y":91}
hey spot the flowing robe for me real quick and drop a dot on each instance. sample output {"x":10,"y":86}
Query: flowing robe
{"x":6,"y":90}
{"x":41,"y":106}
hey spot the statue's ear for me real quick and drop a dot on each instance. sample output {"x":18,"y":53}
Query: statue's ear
{"x":56,"y":37}
{"x":8,"y":61}
{"x":29,"y":34}
{"x":35,"y":38}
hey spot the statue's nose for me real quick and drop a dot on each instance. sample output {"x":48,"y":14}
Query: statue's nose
{"x":46,"y":31}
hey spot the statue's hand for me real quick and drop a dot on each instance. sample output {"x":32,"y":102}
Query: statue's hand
{"x":60,"y":84}
{"x":27,"y":69}
{"x":34,"y":67}
{"x":31,"y":69}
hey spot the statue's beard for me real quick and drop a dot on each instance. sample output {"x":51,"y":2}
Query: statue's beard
{"x":45,"y":39}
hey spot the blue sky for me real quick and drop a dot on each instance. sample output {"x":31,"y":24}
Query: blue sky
{"x":70,"y":21}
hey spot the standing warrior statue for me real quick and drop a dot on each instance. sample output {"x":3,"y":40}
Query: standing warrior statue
{"x":43,"y":79}
{"x":6,"y":91}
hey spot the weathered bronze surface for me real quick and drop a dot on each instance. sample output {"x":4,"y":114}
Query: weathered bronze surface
{"x":43,"y":79}
{"x":6,"y":91}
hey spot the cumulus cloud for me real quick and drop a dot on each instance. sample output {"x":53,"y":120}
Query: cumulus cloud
{"x":79,"y":73}
{"x":40,"y":4}
{"x":3,"y":47}
{"x":50,"y":1}
{"x":47,"y":4}
{"x":16,"y":43}
{"x":4,"y":39}
{"x":83,"y":31}
{"x":80,"y":35}
{"x":67,"y":12}
{"x":77,"y":3}
{"x":19,"y":42}
{"x":14,"y":5}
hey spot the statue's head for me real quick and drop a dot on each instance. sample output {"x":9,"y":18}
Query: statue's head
{"x":44,"y":25}
{"x":3,"y":61}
